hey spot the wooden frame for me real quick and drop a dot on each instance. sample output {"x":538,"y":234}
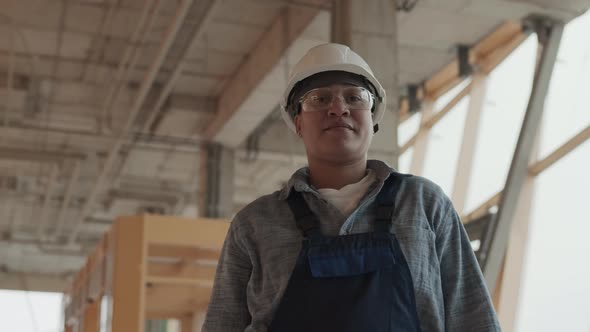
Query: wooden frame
{"x":146,"y":267}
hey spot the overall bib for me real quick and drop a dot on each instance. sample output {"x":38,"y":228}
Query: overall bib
{"x":357,"y":282}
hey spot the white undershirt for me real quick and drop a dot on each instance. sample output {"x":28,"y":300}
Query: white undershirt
{"x":347,"y":198}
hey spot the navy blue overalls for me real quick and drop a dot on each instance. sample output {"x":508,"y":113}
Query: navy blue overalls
{"x":357,"y":282}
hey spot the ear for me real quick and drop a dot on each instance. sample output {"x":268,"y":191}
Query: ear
{"x":297,"y":120}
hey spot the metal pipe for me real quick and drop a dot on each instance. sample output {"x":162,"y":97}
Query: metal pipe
{"x":135,"y":56}
{"x":66,"y":201}
{"x":115,"y":88}
{"x":138,"y":102}
{"x":197,"y":32}
{"x":47,"y":201}
{"x":188,"y":145}
{"x":58,"y":44}
{"x":106,"y":21}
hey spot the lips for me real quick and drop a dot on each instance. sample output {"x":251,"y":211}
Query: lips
{"x":339,"y":125}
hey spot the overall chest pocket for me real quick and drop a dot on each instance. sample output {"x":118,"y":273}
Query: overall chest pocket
{"x":325,"y":264}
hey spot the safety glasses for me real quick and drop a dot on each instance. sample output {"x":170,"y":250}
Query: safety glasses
{"x":353,"y":98}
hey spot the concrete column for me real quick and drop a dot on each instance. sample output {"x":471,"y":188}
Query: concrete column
{"x":340,"y":22}
{"x":216,"y":181}
{"x":372,"y":31}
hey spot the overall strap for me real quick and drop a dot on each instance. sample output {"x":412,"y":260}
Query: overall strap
{"x":385,"y":201}
{"x":306,"y":220}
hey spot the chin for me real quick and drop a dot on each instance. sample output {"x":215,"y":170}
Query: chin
{"x":342,"y":155}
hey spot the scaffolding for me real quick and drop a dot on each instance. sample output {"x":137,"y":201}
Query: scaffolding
{"x":146,"y":268}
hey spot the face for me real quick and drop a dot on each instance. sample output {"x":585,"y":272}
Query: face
{"x":336,"y":134}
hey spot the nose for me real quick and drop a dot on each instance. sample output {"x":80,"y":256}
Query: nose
{"x":338,"y":108}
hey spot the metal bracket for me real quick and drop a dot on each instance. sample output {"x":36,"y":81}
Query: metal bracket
{"x":414,"y":101}
{"x":465,"y":67}
{"x":541,"y":25}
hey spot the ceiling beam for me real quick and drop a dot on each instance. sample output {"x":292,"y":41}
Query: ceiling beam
{"x":149,"y":79}
{"x":485,"y":56}
{"x":39,"y":155}
{"x":267,"y":53}
{"x":65,"y":205}
{"x":487,"y":53}
{"x":32,"y":282}
{"x":46,"y":201}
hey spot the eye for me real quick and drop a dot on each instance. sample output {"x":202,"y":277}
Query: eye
{"x":319,"y":99}
{"x":355,"y":96}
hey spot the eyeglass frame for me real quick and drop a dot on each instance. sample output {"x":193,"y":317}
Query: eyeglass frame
{"x":371,"y":95}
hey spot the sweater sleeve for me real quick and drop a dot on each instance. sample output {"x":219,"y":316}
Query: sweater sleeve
{"x":228,"y":309}
{"x":467,"y":303}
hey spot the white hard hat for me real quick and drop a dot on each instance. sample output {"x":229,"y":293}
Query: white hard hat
{"x":331,"y":57}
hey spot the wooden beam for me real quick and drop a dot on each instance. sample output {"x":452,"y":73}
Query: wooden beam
{"x":183,"y":252}
{"x":269,"y":49}
{"x":487,"y":53}
{"x":167,"y":301}
{"x":186,"y":323}
{"x":421,"y":141}
{"x":469,"y":142}
{"x":128,"y":275}
{"x":179,"y":281}
{"x":448,"y":107}
{"x":560,"y":152}
{"x":534,"y":169}
{"x":92,"y":317}
{"x":188,"y":271}
{"x":501,"y":36}
{"x":436,"y":117}
{"x":200,"y":233}
{"x":492,"y":60}
{"x":482,"y":209}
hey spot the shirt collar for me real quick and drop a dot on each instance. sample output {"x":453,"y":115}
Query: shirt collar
{"x":299,"y":181}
